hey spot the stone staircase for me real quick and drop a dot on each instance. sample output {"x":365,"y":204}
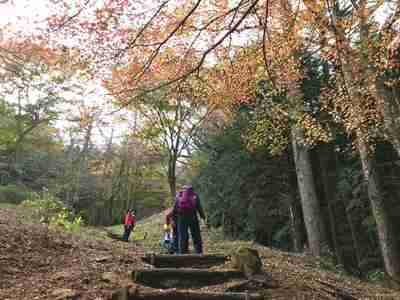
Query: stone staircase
{"x":180,"y":277}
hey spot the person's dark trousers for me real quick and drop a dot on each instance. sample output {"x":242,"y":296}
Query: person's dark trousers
{"x":191,"y":223}
{"x":194,"y":228}
{"x":175,"y":234}
{"x":127,"y":232}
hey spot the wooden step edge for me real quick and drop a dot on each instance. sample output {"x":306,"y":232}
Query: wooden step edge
{"x":173,"y":260}
{"x":183,"y":278}
{"x":123,"y":294}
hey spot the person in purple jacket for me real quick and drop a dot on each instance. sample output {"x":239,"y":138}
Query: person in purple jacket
{"x":186,"y":208}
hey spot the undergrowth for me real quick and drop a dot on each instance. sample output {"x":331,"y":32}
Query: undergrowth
{"x":49,"y":210}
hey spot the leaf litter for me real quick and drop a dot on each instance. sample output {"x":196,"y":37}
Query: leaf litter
{"x":41,"y":263}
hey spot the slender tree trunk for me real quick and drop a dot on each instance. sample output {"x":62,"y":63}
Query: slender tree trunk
{"x":387,"y":233}
{"x":107,"y":176}
{"x":315,"y":227}
{"x":172,"y":178}
{"x":17,"y":147}
{"x":354,"y":236}
{"x":117,"y":188}
{"x":327,"y":169}
{"x":83,"y":166}
{"x":390,"y":98}
{"x":295,"y":215}
{"x":295,"y":226}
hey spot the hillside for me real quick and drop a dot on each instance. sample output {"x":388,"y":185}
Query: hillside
{"x":37,"y":263}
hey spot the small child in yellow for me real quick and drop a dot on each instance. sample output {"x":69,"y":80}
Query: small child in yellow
{"x":166,"y":243}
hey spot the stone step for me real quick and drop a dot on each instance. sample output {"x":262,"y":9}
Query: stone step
{"x":183,"y":278}
{"x":123,"y":294}
{"x":184,"y":261}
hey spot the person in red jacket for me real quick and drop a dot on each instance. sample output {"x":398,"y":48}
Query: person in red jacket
{"x":129,"y":223}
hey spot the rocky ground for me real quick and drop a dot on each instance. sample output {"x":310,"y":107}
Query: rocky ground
{"x":41,"y":263}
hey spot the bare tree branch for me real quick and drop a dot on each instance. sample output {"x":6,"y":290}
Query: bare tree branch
{"x":197,"y":68}
{"x":71,"y":18}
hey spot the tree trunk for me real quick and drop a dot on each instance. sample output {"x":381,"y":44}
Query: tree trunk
{"x":82,"y":167}
{"x":327,"y":169}
{"x":294,"y":207}
{"x":172,"y":178}
{"x":387,"y":234}
{"x":354,"y":236}
{"x":172,"y":186}
{"x":295,"y":227}
{"x":390,"y":97}
{"x":315,"y":227}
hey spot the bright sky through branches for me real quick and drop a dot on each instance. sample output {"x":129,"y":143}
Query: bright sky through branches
{"x":23,"y":14}
{"x":27,"y":17}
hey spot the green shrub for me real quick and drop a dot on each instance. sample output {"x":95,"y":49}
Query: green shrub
{"x":64,"y":220}
{"x":376,"y":275}
{"x":328,"y":262}
{"x":51,"y":211}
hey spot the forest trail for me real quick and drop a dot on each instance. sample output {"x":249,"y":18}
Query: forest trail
{"x":41,"y":263}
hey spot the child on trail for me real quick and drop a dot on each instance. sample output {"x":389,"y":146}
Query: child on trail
{"x":129,"y":224}
{"x":167,"y":240}
{"x":186,"y":207}
{"x":171,"y":220}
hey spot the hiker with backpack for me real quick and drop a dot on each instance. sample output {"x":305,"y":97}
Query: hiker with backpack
{"x":186,"y":207}
{"x":129,"y":223}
